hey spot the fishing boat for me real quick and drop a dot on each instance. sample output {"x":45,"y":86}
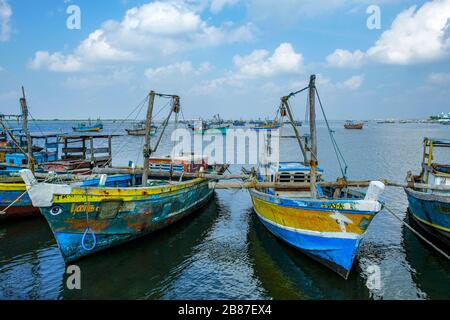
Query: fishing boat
{"x":139,"y":130}
{"x":431,"y":208}
{"x":89,"y":126}
{"x":266,"y":126}
{"x":325,"y":221}
{"x":85,"y":220}
{"x":353,"y":125}
{"x":239,"y":123}
{"x":203,"y":128}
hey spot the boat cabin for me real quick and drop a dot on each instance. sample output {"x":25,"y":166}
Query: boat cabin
{"x":288,"y":172}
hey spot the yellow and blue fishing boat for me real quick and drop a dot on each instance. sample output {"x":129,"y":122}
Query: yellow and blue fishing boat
{"x":88,"y":127}
{"x":87,"y":219}
{"x":325,"y":222}
{"x":266,"y":126}
{"x":431,"y":208}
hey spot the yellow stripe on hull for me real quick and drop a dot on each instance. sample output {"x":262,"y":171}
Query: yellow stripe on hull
{"x":12,"y":187}
{"x":312,"y":220}
{"x":124,"y":194}
{"x":432,"y":224}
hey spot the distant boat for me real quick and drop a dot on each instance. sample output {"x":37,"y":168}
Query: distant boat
{"x":239,"y":123}
{"x":88,"y":127}
{"x":430,"y":208}
{"x":201,"y":127}
{"x":297,"y":123}
{"x":139,"y":130}
{"x":353,"y":125}
{"x":266,"y":126}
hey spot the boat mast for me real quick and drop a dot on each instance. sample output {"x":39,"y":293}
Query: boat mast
{"x":312,"y":127}
{"x":147,"y":148}
{"x":24,"y":107}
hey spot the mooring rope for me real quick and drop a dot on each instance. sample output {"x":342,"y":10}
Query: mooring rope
{"x":13,"y":203}
{"x":88,"y":229}
{"x":417,"y":233}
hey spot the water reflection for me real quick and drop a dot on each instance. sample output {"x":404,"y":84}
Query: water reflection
{"x":286,"y":273}
{"x":428,"y":268}
{"x":145,"y":268}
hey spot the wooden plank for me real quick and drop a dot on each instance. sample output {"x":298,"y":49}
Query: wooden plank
{"x":98,"y":150}
{"x":74,"y":150}
{"x":72,"y":157}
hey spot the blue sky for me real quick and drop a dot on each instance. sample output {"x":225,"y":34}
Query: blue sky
{"x":232,"y":57}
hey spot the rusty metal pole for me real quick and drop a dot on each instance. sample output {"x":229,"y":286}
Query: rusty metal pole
{"x":147,"y":147}
{"x":312,"y":125}
{"x":24,"y":107}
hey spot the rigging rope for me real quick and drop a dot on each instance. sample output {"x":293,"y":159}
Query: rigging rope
{"x":337,"y":150}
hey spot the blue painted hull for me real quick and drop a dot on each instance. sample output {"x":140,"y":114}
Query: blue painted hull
{"x":132,"y":220}
{"x":432,"y":212}
{"x":335,"y":253}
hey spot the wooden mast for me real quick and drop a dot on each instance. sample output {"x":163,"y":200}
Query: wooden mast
{"x":24,"y":107}
{"x":312,"y":125}
{"x":147,"y":148}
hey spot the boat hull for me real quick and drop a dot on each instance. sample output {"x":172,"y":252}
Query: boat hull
{"x":9,"y":192}
{"x":432,"y":213}
{"x":115,"y":216}
{"x":354,"y":126}
{"x":313,"y":227}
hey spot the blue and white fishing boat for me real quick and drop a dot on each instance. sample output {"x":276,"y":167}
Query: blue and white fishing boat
{"x":431,"y":208}
{"x":326,"y":221}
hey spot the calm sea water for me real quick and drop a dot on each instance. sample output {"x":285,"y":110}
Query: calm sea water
{"x":224,"y":252}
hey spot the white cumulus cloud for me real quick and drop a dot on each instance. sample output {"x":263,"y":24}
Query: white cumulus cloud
{"x":152,"y":30}
{"x":177,"y":69}
{"x":352,"y":83}
{"x":261,"y":64}
{"x":5,"y":16}
{"x":346,"y":59}
{"x":218,"y":5}
{"x":439,"y":78}
{"x":416,"y":35}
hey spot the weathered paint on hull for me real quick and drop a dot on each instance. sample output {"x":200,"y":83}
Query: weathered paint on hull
{"x":132,"y":218}
{"x":313,"y":231}
{"x":432,"y":212}
{"x":9,"y":192}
